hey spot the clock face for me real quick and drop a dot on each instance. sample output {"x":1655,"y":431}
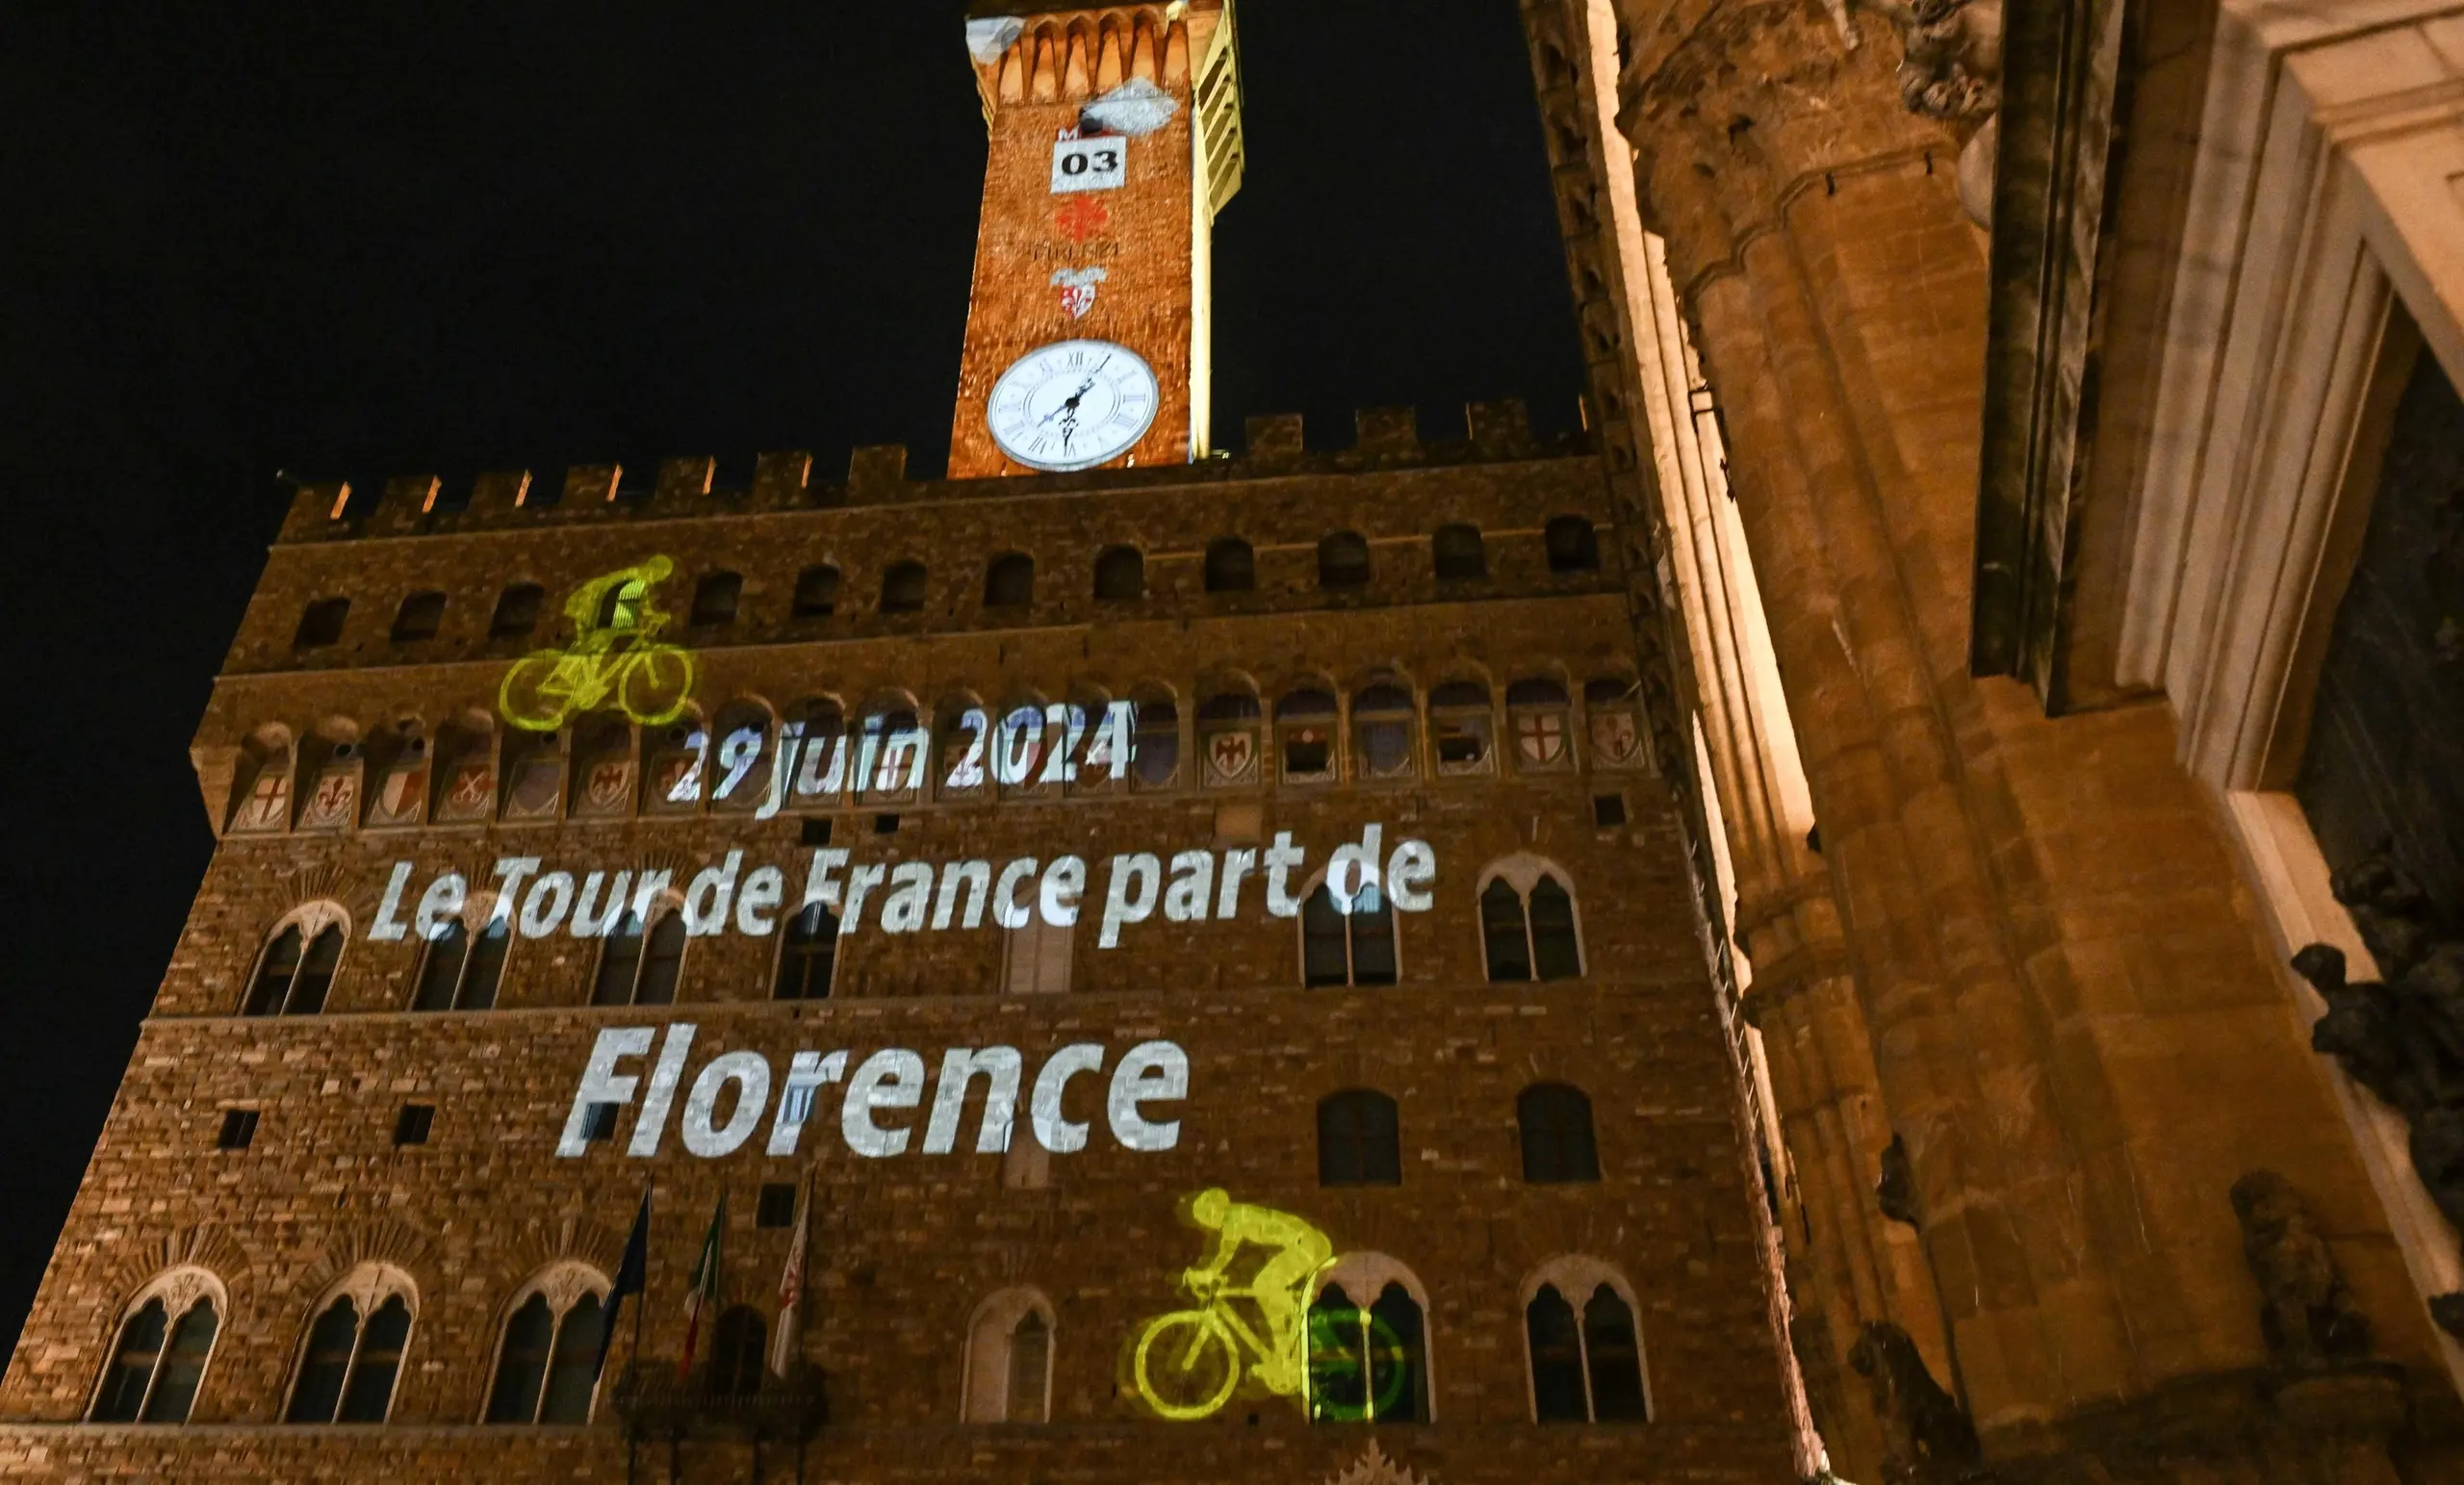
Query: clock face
{"x":1073,"y":404}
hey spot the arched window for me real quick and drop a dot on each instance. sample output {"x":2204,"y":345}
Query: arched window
{"x":1156,"y":753}
{"x":1367,"y":1366}
{"x":622,"y":602}
{"x":321,"y":623}
{"x":1461,"y":724}
{"x":547,"y":1363}
{"x":1304,"y":725}
{"x":1120,"y":575}
{"x":1342,"y":561}
{"x":1347,"y":945}
{"x":1381,"y":725}
{"x":1574,"y":546}
{"x":1228,"y":739}
{"x":158,"y":1360}
{"x":419,"y":618}
{"x":1527,"y":924}
{"x":1541,"y":717}
{"x":1586,"y":1367}
{"x":808,"y":955}
{"x":297,"y":967}
{"x":745,"y":752}
{"x":903,"y":588}
{"x":1231,"y":566}
{"x":517,"y":613}
{"x":1009,"y":1360}
{"x":737,"y":1347}
{"x":639,"y":968}
{"x":454,"y":975}
{"x":1009,"y":583}
{"x":1459,"y":553}
{"x":354,"y":1352}
{"x":816,"y":591}
{"x":715,"y":597}
{"x":1555,"y":1121}
{"x":1359,"y":1142}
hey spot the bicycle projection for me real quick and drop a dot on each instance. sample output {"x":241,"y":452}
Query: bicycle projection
{"x":615,"y":652}
{"x":1187,"y":1363}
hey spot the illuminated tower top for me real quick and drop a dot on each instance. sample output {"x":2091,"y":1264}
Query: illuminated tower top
{"x":1115,"y":136}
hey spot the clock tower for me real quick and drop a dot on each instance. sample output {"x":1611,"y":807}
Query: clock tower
{"x":1115,"y":136}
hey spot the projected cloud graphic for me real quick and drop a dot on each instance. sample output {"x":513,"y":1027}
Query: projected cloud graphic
{"x":615,"y":652}
{"x":1263,"y":1329}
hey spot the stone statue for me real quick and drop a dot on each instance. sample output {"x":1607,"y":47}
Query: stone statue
{"x":2364,"y":1032}
{"x":2307,"y":1316}
{"x":1928,"y":1437}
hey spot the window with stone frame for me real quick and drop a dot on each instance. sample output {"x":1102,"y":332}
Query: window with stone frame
{"x":903,"y":588}
{"x":1010,"y":581}
{"x":715,"y":599}
{"x":1462,"y":729}
{"x":1305,"y":728}
{"x":548,"y":1357}
{"x":1036,"y":956}
{"x":1383,"y":723}
{"x":1347,"y":944}
{"x":1231,"y":566}
{"x":1343,"y":562}
{"x":808,"y":955}
{"x":159,"y":1355}
{"x":460,"y":970}
{"x":321,"y":623}
{"x":1120,"y":575}
{"x":1527,"y":924}
{"x":1458,"y":554}
{"x":294,"y":971}
{"x":1586,"y":1366}
{"x":419,"y":618}
{"x":816,"y":592}
{"x":639,"y":965}
{"x":1554,"y":1122}
{"x":353,"y":1353}
{"x":1155,"y":762}
{"x":1359,"y":1139}
{"x":1009,"y":1360}
{"x":517,"y":611}
{"x":1367,"y":1364}
{"x":1573,"y":545}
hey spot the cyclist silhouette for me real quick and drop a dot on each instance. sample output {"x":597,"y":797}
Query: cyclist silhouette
{"x":1281,"y":1285}
{"x":614,"y":653}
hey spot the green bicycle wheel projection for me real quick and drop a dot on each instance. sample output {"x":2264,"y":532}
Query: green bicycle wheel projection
{"x":615,"y":654}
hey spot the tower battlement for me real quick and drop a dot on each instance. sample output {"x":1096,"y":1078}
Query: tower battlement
{"x":417,"y":505}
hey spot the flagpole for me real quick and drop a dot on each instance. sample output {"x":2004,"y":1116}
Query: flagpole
{"x":634,"y":1358}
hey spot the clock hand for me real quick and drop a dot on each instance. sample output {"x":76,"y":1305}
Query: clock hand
{"x":1070,"y":406}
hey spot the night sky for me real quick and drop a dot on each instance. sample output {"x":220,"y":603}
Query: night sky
{"x":353,"y":242}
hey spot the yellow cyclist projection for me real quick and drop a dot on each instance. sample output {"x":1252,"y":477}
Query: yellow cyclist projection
{"x":1187,"y":1363}
{"x":615,"y":650}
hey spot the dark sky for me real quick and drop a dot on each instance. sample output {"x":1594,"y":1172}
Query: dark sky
{"x":357,"y":240}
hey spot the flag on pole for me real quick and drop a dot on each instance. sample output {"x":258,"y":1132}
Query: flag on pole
{"x":789,"y":1340}
{"x":704,"y":1292}
{"x":632,"y":1274}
